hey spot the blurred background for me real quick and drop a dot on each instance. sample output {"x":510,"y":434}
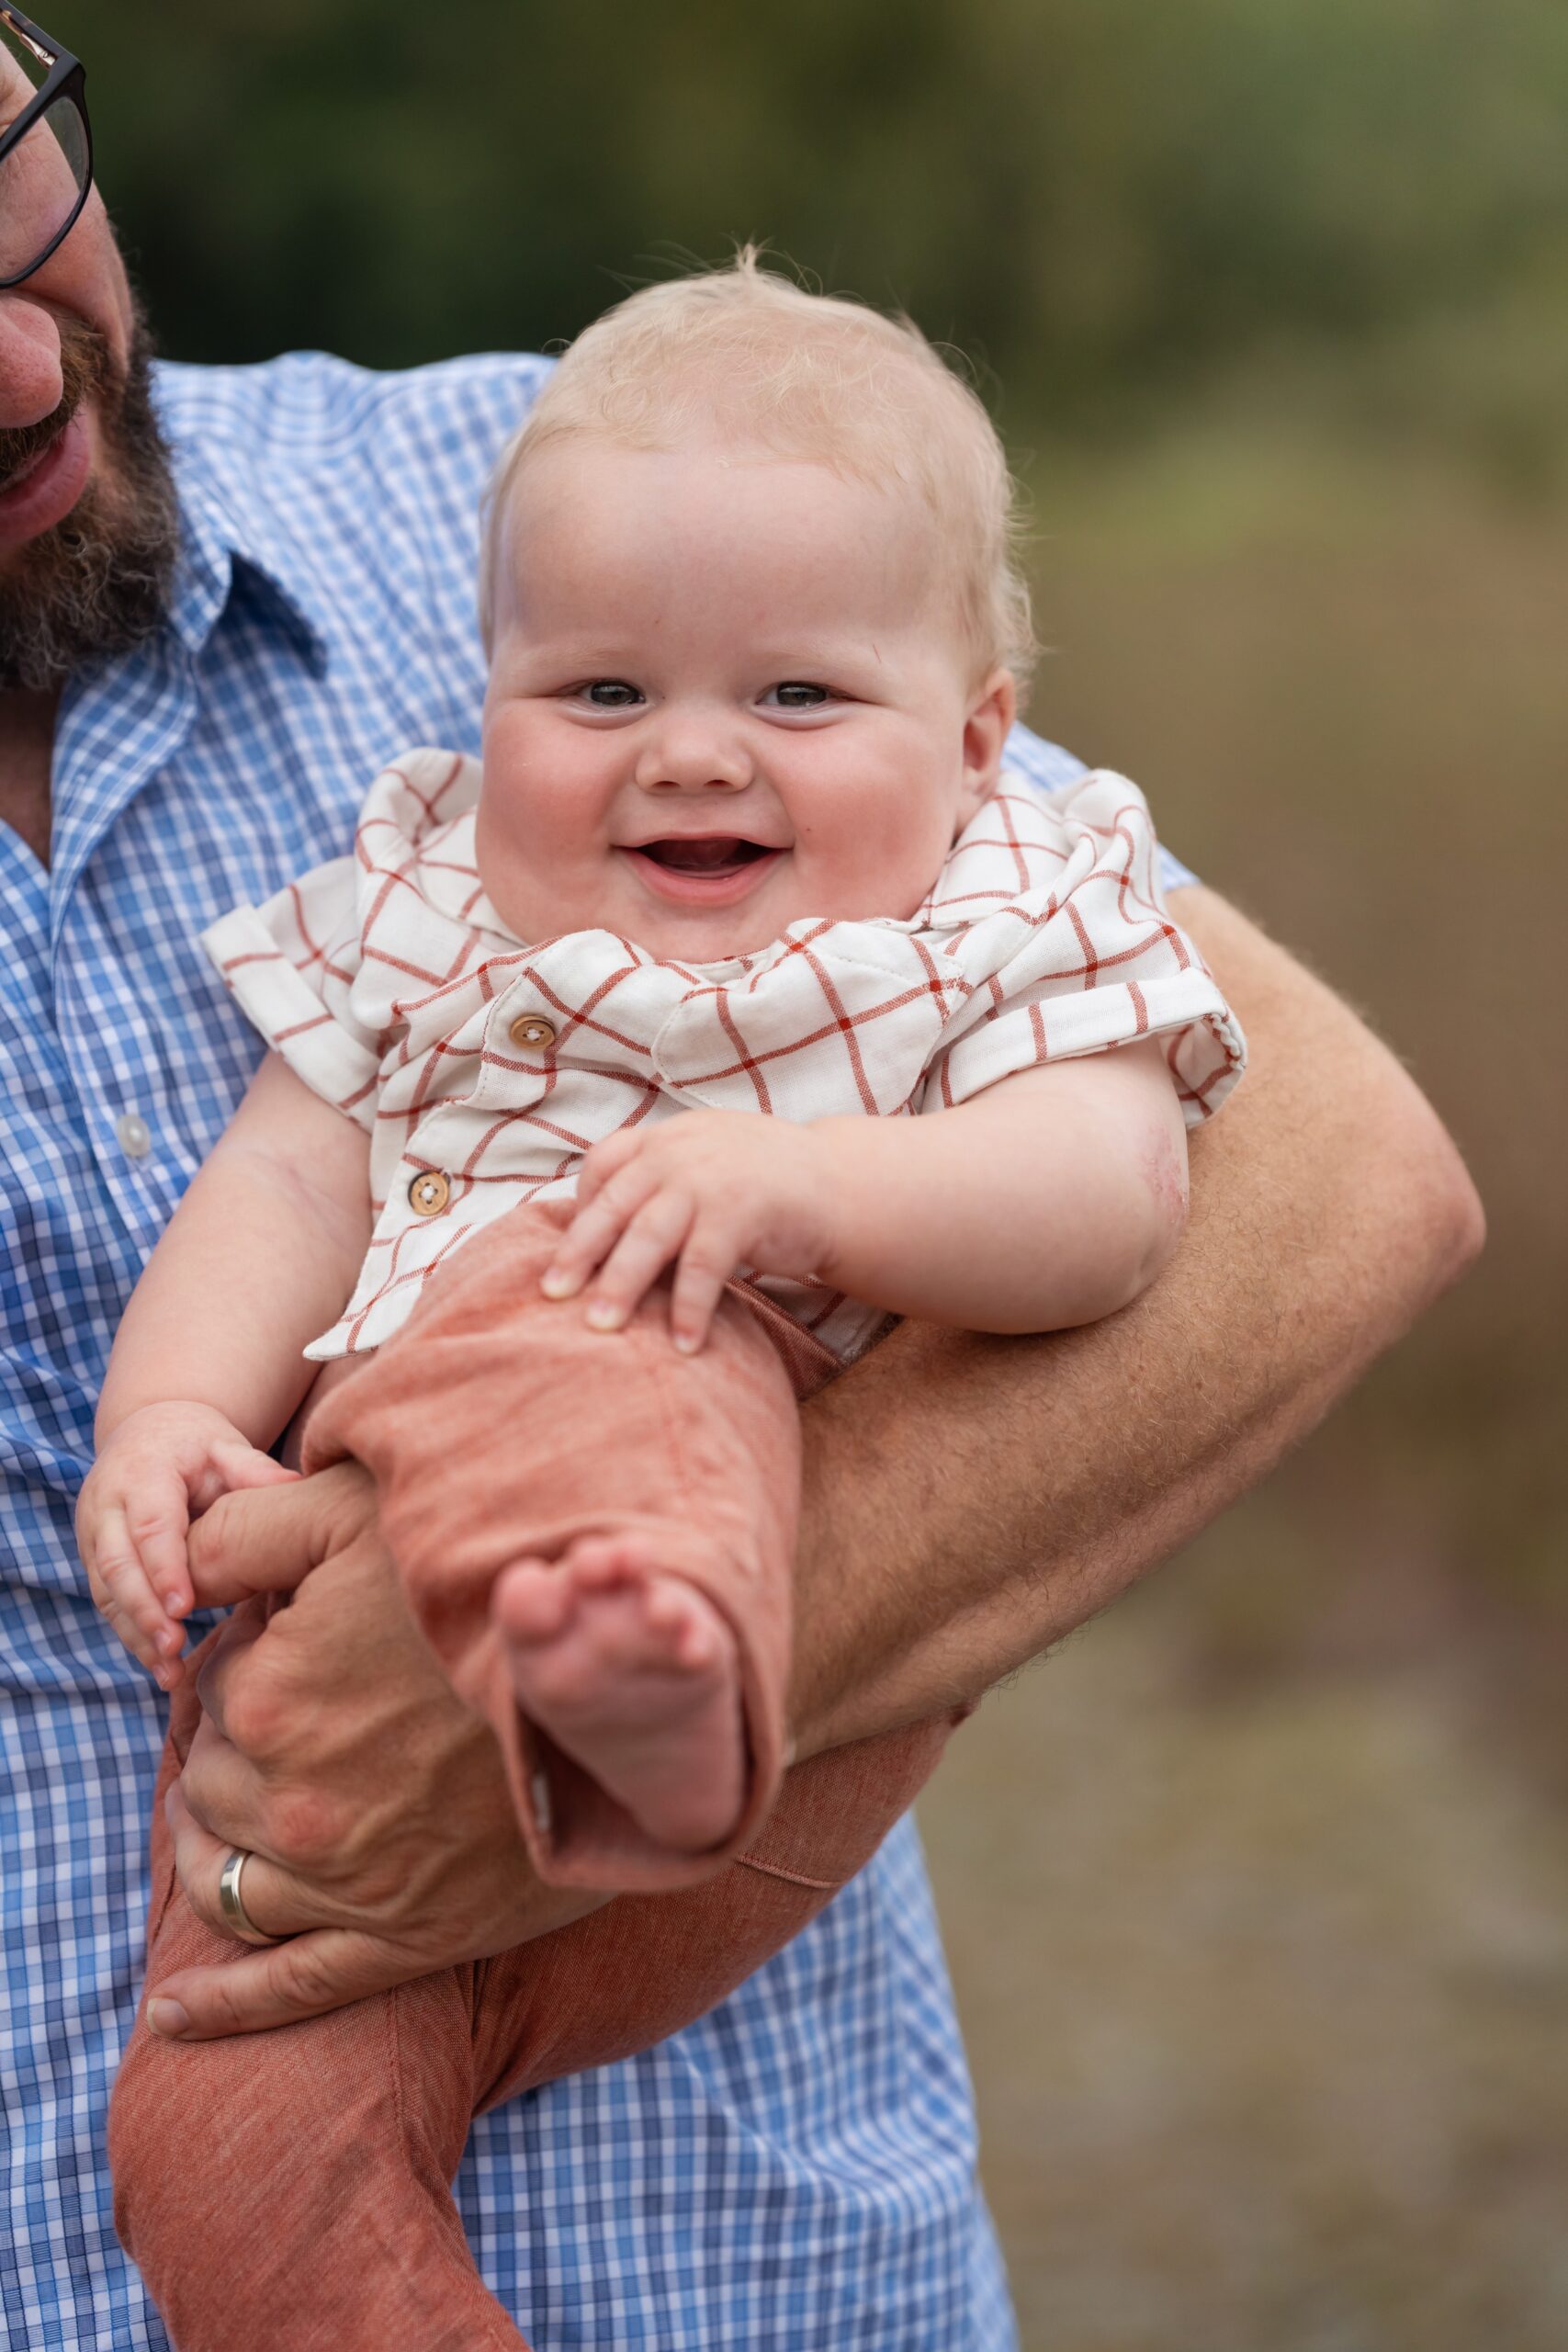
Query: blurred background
{"x":1255,"y":1893}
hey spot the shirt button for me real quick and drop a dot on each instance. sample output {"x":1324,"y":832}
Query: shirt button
{"x":133,"y":1135}
{"x":429,"y":1192}
{"x":528,"y":1029}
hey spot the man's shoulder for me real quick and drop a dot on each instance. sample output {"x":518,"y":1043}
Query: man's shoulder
{"x":308,"y":409}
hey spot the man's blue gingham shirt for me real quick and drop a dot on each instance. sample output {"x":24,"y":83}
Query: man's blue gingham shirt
{"x":798,"y":2170}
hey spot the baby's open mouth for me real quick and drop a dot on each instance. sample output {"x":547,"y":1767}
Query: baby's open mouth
{"x":714,"y":854}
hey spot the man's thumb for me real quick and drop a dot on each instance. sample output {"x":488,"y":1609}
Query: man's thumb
{"x":268,"y":1538}
{"x":324,"y":1969}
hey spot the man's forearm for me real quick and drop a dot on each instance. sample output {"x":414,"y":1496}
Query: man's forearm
{"x":969,"y":1500}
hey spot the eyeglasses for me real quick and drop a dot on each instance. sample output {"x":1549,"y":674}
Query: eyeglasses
{"x":46,"y":147}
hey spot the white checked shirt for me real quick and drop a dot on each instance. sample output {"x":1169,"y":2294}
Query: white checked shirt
{"x":482,"y":1068}
{"x":797,"y":2170}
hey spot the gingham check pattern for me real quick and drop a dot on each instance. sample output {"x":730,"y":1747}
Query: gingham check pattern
{"x":393,"y":987}
{"x":797,"y":2171}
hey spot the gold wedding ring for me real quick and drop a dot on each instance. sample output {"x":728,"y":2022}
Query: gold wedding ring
{"x":232,"y":1903}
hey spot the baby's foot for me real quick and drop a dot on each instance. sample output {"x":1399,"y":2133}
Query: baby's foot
{"x":635,"y":1676}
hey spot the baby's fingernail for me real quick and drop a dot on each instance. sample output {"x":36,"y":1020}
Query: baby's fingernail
{"x":175,"y":1603}
{"x":166,"y":2018}
{"x":604,"y":1316}
{"x":688,"y":1342}
{"x":555,"y":1282}
{"x":168,"y":1641}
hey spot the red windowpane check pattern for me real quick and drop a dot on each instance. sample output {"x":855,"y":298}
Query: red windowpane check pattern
{"x":388,"y":983}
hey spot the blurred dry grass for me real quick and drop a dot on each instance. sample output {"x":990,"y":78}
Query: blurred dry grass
{"x":1257,"y":1895}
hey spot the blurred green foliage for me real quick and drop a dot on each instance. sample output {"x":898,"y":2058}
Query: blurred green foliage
{"x":1110,"y":201}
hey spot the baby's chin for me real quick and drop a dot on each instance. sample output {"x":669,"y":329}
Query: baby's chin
{"x":706,"y":938}
{"x":718,"y":935}
{"x":686,"y":934}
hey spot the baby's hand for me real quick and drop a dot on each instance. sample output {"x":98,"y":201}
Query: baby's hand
{"x":162,"y":1466}
{"x":710,"y":1191}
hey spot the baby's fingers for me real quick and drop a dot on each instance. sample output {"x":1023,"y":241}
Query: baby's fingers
{"x":655,"y":1234}
{"x":706,"y":1264}
{"x":606,"y":1159}
{"x":240,"y":1465}
{"x":593,"y":1233}
{"x":157,"y":1513}
{"x":123,"y":1593}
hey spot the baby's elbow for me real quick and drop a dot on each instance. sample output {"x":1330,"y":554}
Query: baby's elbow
{"x":1164,"y":1226}
{"x":1133,"y":1245}
{"x":1142,"y":1203}
{"x":1153,"y":1232}
{"x":1162,"y":1192}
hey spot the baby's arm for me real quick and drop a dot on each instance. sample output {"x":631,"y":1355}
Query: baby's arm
{"x":207,"y":1366}
{"x":1052,"y":1199}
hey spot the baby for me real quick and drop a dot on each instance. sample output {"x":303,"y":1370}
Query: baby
{"x":742,"y":841}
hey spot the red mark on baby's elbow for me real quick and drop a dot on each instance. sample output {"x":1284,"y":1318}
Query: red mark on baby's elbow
{"x":1163,"y":1171}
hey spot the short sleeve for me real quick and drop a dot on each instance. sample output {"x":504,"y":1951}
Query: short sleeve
{"x":1090,"y":961}
{"x":291,"y":967}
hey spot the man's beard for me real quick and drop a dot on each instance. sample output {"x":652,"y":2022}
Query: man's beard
{"x":99,"y":581}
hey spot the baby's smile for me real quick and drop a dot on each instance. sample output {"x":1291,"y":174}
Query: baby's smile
{"x":702,"y":869}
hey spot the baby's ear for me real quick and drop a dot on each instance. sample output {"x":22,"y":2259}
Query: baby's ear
{"x":985,"y":731}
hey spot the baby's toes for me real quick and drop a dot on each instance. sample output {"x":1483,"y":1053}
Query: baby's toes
{"x":533,"y":1601}
{"x":681,"y":1623}
{"x":598,"y":1563}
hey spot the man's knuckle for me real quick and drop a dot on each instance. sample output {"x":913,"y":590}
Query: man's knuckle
{"x":304,"y":1828}
{"x":204,"y":1903}
{"x":344,"y":1507}
{"x":254,"y":1718}
{"x":223,"y":2009}
{"x":303,"y":1973}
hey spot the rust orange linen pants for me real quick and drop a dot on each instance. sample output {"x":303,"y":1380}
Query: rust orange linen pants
{"x":291,"y":2191}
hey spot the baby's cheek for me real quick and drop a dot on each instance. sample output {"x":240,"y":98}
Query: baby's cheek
{"x":876,"y":851}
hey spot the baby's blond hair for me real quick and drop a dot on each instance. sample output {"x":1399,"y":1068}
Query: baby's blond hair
{"x":747,"y":354}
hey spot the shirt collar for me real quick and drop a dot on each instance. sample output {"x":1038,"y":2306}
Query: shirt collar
{"x":226,"y":537}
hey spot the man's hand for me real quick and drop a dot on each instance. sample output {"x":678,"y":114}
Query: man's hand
{"x":333,"y":1750}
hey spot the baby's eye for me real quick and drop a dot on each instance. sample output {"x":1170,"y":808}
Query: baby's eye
{"x":610,"y":694}
{"x":795,"y":694}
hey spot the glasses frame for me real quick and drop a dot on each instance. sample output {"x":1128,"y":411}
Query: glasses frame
{"x":66,"y":77}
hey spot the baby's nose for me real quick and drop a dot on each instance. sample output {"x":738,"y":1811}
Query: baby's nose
{"x":694,"y":760}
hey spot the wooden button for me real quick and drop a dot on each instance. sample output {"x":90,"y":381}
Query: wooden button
{"x":529,"y":1029}
{"x":429,"y":1192}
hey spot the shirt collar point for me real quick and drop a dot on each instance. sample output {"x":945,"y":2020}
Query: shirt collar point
{"x":217,"y":554}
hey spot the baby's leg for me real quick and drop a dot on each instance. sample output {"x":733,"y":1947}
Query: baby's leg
{"x":596,"y":1533}
{"x":293,"y":2188}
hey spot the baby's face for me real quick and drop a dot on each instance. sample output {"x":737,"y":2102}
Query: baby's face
{"x":725,"y":691}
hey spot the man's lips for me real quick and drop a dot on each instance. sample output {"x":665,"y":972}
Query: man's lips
{"x":707,"y":869}
{"x":46,"y":491}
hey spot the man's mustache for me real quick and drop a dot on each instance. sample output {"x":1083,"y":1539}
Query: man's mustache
{"x":86,"y":365}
